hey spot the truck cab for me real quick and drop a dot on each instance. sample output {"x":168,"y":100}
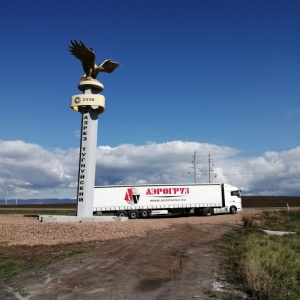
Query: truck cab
{"x":233,"y":200}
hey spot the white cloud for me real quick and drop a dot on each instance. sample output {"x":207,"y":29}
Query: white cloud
{"x":32,"y":170}
{"x":275,"y":173}
{"x":35,"y":172}
{"x":168,"y":162}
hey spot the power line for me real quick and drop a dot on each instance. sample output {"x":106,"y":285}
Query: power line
{"x":210,"y":171}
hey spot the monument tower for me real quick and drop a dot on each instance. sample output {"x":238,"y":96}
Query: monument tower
{"x":90,"y":104}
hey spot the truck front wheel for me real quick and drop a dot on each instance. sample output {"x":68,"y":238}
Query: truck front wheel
{"x":232,"y":209}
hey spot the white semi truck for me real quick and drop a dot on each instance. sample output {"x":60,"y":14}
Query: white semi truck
{"x":161,"y":199}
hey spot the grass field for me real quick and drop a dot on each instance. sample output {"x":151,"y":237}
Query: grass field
{"x":267,"y":266}
{"x":270,"y":201}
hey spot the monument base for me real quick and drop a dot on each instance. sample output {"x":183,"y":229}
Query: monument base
{"x":76,"y":219}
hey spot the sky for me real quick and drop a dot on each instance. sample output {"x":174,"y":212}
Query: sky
{"x":207,"y":77}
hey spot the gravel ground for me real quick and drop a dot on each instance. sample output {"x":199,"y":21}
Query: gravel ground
{"x":19,"y":230}
{"x":155,"y":258}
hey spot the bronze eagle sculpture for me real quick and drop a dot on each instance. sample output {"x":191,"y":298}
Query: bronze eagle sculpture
{"x":88,"y":59}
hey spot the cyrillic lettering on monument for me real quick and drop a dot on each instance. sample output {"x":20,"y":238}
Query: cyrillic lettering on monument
{"x":83,"y":152}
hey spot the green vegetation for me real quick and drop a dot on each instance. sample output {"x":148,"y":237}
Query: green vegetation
{"x":13,"y":264}
{"x":267,"y":266}
{"x":73,"y":253}
{"x":10,"y":266}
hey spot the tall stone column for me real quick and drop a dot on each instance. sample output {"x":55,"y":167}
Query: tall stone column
{"x":90,"y":104}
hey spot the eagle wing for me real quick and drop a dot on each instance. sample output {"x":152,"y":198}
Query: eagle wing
{"x":108,"y":66}
{"x":83,"y":53}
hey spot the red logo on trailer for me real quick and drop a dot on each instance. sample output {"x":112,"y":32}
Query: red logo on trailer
{"x":132,"y":196}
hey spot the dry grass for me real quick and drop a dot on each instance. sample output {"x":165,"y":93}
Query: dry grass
{"x":267,"y":266}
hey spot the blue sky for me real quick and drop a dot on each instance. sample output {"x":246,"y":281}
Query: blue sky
{"x":198,"y":75}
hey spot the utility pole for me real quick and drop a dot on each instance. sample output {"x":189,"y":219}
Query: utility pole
{"x":210,"y":169}
{"x":17,"y":195}
{"x":6,"y":195}
{"x":194,"y":166}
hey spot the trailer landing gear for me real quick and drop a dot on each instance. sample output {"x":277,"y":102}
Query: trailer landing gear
{"x":208,"y":211}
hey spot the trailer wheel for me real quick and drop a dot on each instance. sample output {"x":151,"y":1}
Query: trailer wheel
{"x":233,"y":210}
{"x":133,"y":214}
{"x":144,"y":213}
{"x":208,"y":211}
{"x":121,"y":213}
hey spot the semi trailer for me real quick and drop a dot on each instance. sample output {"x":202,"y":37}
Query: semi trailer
{"x":142,"y":201}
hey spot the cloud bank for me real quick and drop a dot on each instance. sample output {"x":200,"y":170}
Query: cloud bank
{"x":31,"y":171}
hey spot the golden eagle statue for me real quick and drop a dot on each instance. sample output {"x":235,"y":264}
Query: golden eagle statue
{"x":88,"y":59}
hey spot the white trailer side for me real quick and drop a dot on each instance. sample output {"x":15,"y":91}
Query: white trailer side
{"x":144,"y":200}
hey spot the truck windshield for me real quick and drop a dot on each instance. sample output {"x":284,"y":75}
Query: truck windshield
{"x":236,"y":193}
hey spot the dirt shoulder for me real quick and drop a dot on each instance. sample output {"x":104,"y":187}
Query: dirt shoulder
{"x":169,"y":258}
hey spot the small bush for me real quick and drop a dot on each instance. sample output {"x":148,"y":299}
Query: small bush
{"x":252,"y":220}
